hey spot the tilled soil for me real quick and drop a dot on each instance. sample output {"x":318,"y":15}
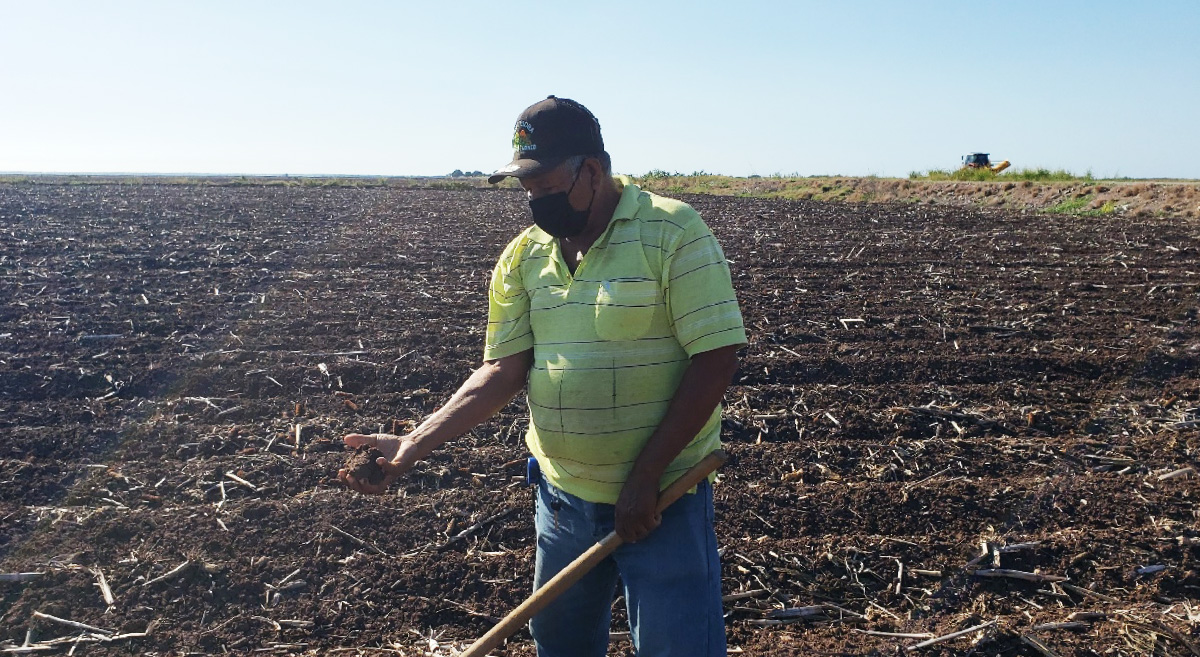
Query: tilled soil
{"x":932,"y":399}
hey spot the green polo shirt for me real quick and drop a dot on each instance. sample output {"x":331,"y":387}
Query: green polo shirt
{"x":611,"y":342}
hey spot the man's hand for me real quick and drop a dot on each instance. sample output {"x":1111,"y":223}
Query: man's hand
{"x":635,"y":512}
{"x":699,"y":392}
{"x":400,"y":453}
{"x":481,"y":396}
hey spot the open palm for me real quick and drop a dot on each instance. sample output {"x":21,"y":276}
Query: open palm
{"x":399,"y":456}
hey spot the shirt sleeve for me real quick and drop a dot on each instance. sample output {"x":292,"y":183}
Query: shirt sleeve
{"x":508,"y":330}
{"x":700,"y":299}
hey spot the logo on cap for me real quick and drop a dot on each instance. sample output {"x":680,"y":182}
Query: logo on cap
{"x":521,"y":141}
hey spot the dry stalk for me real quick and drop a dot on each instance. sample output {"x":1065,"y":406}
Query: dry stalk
{"x":54,"y":644}
{"x":953,"y":635}
{"x":1068,"y":625}
{"x":895,"y":635}
{"x":469,"y":531}
{"x":102,"y":584}
{"x":734,"y":597}
{"x":1088,"y":616}
{"x":169,"y":574}
{"x":797,"y":612}
{"x":357,"y":540}
{"x":268,"y":621}
{"x":1038,"y":646}
{"x":1017,"y":547}
{"x":1086,"y":593}
{"x":1175,"y":474}
{"x":242,"y":481}
{"x":74,"y":624}
{"x":287,"y":578}
{"x":1017,"y":574}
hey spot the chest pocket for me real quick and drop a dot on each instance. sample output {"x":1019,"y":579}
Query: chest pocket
{"x":625,"y":309}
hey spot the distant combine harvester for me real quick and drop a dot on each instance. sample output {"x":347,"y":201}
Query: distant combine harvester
{"x":981,"y":161}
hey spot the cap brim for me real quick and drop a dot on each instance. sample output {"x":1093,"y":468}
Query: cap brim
{"x":522,"y":168}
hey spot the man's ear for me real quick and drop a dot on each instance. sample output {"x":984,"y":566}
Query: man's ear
{"x":595,"y":169}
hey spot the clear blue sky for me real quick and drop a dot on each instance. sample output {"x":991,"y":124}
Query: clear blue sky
{"x":399,"y":88}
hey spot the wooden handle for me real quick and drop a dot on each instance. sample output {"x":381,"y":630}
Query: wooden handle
{"x":518,"y":617}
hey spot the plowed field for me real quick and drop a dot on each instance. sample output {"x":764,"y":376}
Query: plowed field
{"x":945,"y":419}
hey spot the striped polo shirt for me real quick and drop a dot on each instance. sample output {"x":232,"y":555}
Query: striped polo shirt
{"x":611,"y":342}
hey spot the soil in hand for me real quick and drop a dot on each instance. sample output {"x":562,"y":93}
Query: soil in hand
{"x":363,"y":465}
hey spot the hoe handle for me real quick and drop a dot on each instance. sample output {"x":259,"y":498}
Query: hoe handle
{"x":518,"y":617}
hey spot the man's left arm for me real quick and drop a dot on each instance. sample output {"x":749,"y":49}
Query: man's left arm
{"x":701,"y":389}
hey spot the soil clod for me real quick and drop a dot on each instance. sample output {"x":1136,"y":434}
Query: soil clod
{"x":364,"y":466}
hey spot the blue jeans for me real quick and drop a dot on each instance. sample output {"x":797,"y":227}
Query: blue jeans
{"x":672,"y":580}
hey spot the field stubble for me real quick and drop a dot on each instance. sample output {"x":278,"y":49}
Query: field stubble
{"x":946,"y":418}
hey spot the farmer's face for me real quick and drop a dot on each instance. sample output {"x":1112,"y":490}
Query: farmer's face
{"x":558,"y":179}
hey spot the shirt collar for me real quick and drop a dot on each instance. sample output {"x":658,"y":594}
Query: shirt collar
{"x":627,"y":207}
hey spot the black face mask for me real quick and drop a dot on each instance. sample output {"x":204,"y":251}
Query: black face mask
{"x":553,"y":212}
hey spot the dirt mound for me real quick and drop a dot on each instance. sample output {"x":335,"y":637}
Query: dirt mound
{"x":1101,"y":198}
{"x":1133,"y":199}
{"x":947,"y":418}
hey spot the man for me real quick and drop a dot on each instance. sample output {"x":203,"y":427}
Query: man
{"x":617,"y":309}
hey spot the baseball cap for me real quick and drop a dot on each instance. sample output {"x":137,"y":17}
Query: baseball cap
{"x":547,"y":133}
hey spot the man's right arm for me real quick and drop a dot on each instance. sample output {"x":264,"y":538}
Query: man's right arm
{"x":480,"y":397}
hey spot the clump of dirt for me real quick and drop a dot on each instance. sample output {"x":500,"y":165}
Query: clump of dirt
{"x":363,"y":465}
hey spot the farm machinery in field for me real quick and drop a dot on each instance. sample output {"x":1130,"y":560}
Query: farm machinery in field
{"x":981,"y":161}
